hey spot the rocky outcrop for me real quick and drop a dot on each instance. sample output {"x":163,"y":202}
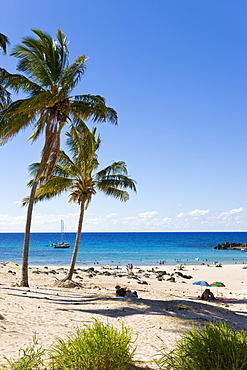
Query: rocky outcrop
{"x":232,"y":246}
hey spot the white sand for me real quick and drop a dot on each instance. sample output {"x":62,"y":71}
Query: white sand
{"x":160,"y":317}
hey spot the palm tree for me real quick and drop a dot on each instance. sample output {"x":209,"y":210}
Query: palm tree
{"x":4,"y":41}
{"x":49,"y":106}
{"x":77,"y":175}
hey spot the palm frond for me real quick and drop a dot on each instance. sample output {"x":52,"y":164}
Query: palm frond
{"x":63,"y":49}
{"x":116,"y":181}
{"x":65,"y":162}
{"x":115,"y":168}
{"x":31,"y":61}
{"x":83,"y":143}
{"x":122,"y":195}
{"x":93,"y":107}
{"x":19,"y":82}
{"x":4,"y":41}
{"x":33,"y":169}
{"x":42,"y":59}
{"x":53,"y":188}
{"x":39,"y":127}
{"x":10,"y":127}
{"x":5,"y":97}
{"x":73,"y":73}
{"x":50,"y":56}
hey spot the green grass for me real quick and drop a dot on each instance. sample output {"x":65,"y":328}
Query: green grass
{"x":99,"y":347}
{"x":31,"y":358}
{"x":216,"y":346}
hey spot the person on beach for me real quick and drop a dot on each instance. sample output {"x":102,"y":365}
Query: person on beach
{"x":124,"y":292}
{"x":207,"y":295}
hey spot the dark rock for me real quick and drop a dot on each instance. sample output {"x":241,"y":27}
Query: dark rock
{"x":142,"y":282}
{"x":171,"y":279}
{"x":178,"y":273}
{"x":79,"y":277}
{"x":160,"y":273}
{"x":232,"y":246}
{"x":146,"y":275}
{"x":107,"y":273}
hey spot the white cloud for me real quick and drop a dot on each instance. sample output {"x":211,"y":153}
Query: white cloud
{"x":195,"y":220}
{"x":195,"y":213}
{"x":232,"y":211}
{"x":4,"y":217}
{"x":111,"y":215}
{"x":147,"y":215}
{"x":198,"y":212}
{"x":166,"y":220}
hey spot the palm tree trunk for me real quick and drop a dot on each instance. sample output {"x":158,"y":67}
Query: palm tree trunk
{"x":77,"y":242}
{"x":25,"y":252}
{"x":24,"y":281}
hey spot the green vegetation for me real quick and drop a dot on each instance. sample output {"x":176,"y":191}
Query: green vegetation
{"x":31,"y":358}
{"x":216,"y":346}
{"x":100,"y":347}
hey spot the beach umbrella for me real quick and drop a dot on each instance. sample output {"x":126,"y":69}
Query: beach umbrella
{"x":201,"y":283}
{"x":217,"y":284}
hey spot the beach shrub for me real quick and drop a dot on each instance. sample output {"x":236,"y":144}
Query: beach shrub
{"x":215,"y":346}
{"x":96,"y":347}
{"x":30,"y":358}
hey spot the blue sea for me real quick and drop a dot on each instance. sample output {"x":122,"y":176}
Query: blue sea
{"x":138,"y":248}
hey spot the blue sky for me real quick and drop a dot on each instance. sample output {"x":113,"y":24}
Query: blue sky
{"x":175,"y":71}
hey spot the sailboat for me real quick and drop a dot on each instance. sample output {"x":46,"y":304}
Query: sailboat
{"x":61,"y":244}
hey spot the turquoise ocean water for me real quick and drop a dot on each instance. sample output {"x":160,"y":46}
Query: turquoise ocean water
{"x":123,"y":248}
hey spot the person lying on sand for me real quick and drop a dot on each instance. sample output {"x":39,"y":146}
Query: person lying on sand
{"x":124,"y":292}
{"x":207,"y":295}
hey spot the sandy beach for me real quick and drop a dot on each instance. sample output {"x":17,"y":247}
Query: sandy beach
{"x":164,"y":310}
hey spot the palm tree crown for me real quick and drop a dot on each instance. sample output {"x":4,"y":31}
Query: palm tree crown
{"x":78,"y":175}
{"x":49,"y":83}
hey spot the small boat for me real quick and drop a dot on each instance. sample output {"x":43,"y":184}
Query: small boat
{"x":61,"y":244}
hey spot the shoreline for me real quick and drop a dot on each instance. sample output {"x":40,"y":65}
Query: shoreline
{"x":165,"y":309}
{"x":98,"y":265}
{"x":123,"y":248}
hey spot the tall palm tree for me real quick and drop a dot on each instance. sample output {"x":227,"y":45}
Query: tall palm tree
{"x":4,"y":41}
{"x":78,"y":175}
{"x":48,"y":81}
